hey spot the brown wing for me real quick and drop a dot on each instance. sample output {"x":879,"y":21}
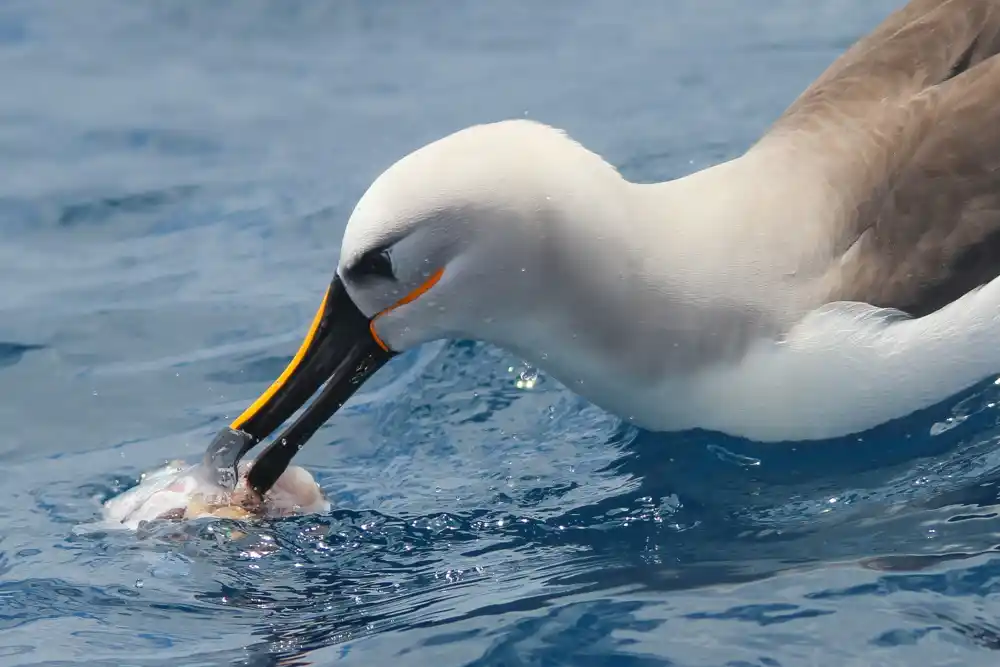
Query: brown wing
{"x":907,"y":127}
{"x":935,"y":234}
{"x":919,"y":46}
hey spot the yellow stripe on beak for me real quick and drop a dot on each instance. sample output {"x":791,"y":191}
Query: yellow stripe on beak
{"x":287,"y":373}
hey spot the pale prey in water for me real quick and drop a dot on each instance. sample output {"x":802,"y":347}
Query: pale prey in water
{"x":182,"y":491}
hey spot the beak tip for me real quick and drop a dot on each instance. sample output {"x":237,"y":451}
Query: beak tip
{"x":225,"y":452}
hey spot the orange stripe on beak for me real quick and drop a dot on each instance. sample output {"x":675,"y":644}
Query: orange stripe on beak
{"x":412,"y":296}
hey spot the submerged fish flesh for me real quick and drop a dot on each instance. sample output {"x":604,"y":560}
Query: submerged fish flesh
{"x":181,"y":491}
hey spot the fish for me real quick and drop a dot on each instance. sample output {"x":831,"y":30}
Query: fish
{"x":179,"y":491}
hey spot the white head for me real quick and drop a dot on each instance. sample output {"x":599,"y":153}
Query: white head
{"x":511,"y":214}
{"x":509,"y":233}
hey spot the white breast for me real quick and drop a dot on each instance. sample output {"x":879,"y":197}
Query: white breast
{"x":844,"y":368}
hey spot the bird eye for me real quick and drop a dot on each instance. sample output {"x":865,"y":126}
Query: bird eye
{"x":376,"y":262}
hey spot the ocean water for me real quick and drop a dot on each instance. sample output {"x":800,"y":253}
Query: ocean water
{"x":176,"y":179}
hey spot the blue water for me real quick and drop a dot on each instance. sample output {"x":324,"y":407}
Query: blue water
{"x":176,"y":179}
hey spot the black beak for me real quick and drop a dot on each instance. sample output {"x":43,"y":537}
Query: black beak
{"x":341,"y":351}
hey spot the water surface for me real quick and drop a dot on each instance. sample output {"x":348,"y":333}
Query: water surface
{"x":177,"y":177}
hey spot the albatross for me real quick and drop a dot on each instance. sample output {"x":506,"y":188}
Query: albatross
{"x":839,"y":274}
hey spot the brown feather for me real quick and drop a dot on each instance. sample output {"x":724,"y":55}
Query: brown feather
{"x":907,"y":124}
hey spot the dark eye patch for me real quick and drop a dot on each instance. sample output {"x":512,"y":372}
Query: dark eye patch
{"x":374,"y":263}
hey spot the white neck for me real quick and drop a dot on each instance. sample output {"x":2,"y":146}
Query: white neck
{"x":658,"y":282}
{"x":699,"y":312}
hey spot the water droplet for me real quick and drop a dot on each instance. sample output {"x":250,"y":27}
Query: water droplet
{"x":527,"y":378}
{"x":139,"y":583}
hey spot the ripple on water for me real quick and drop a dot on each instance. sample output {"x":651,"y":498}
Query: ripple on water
{"x":177,"y":179}
{"x":544,"y":547}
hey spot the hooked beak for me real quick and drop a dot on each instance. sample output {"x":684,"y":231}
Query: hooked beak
{"x":341,"y":350}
